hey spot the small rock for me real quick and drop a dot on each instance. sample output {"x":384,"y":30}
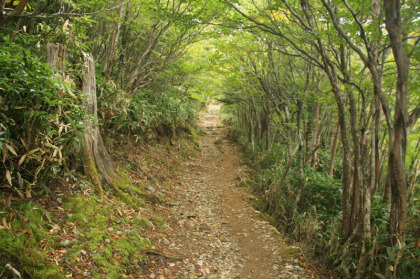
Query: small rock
{"x":75,"y":231}
{"x":110,"y":229}
{"x":83,"y":252}
{"x":55,"y":227}
{"x":204,"y":227}
{"x":65,"y":242}
{"x":107,"y":240}
{"x":59,"y":200}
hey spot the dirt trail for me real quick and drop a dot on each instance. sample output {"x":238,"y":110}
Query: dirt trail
{"x":212,"y":228}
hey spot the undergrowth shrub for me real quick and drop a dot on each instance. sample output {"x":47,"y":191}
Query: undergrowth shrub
{"x":147,"y":114}
{"x":40,"y":119}
{"x":317,"y":221}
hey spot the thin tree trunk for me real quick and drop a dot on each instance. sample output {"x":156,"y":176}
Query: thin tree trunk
{"x":315,"y":135}
{"x":316,"y":129}
{"x":357,"y":179}
{"x":258,"y":122}
{"x":109,"y":61}
{"x":300,"y":159}
{"x":398,"y":135}
{"x":377,"y":155}
{"x":267,"y":123}
{"x":333,"y":149}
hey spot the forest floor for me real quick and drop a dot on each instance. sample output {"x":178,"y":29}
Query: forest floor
{"x":202,"y":226}
{"x":213,"y":230}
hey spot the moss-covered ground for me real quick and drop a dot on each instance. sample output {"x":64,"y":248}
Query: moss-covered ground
{"x":71,"y":233}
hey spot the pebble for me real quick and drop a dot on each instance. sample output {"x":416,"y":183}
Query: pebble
{"x":75,"y":231}
{"x":66,"y":242}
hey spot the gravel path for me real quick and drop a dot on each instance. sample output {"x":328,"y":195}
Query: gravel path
{"x":212,"y":229}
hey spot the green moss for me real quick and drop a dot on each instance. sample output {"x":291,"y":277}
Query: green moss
{"x":160,"y":222}
{"x":140,"y":222}
{"x":276,"y":232}
{"x":26,"y":245}
{"x":136,"y":190}
{"x":111,"y":251}
{"x":268,"y":218}
{"x":111,"y":239}
{"x":194,"y":137}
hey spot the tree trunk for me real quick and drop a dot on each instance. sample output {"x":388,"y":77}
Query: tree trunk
{"x":109,"y":61}
{"x":56,"y":56}
{"x":357,"y":179}
{"x":258,"y":123}
{"x":333,"y":149}
{"x":398,"y":135}
{"x":300,"y":158}
{"x":97,"y":162}
{"x":316,"y":129}
{"x":346,"y":179}
{"x":267,"y":112}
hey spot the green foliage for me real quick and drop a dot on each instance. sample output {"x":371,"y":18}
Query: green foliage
{"x":317,"y":221}
{"x":321,"y":194}
{"x":147,"y":114}
{"x":40,"y":118}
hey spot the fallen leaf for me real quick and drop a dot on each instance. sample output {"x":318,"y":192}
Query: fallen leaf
{"x":4,"y":222}
{"x":9,"y":177}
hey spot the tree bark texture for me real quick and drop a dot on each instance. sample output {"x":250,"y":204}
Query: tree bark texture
{"x":109,"y":61}
{"x":56,"y":56}
{"x":398,"y":135}
{"x":96,"y":159}
{"x":333,"y":149}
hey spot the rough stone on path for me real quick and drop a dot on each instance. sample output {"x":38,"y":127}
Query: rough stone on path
{"x":213,"y":229}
